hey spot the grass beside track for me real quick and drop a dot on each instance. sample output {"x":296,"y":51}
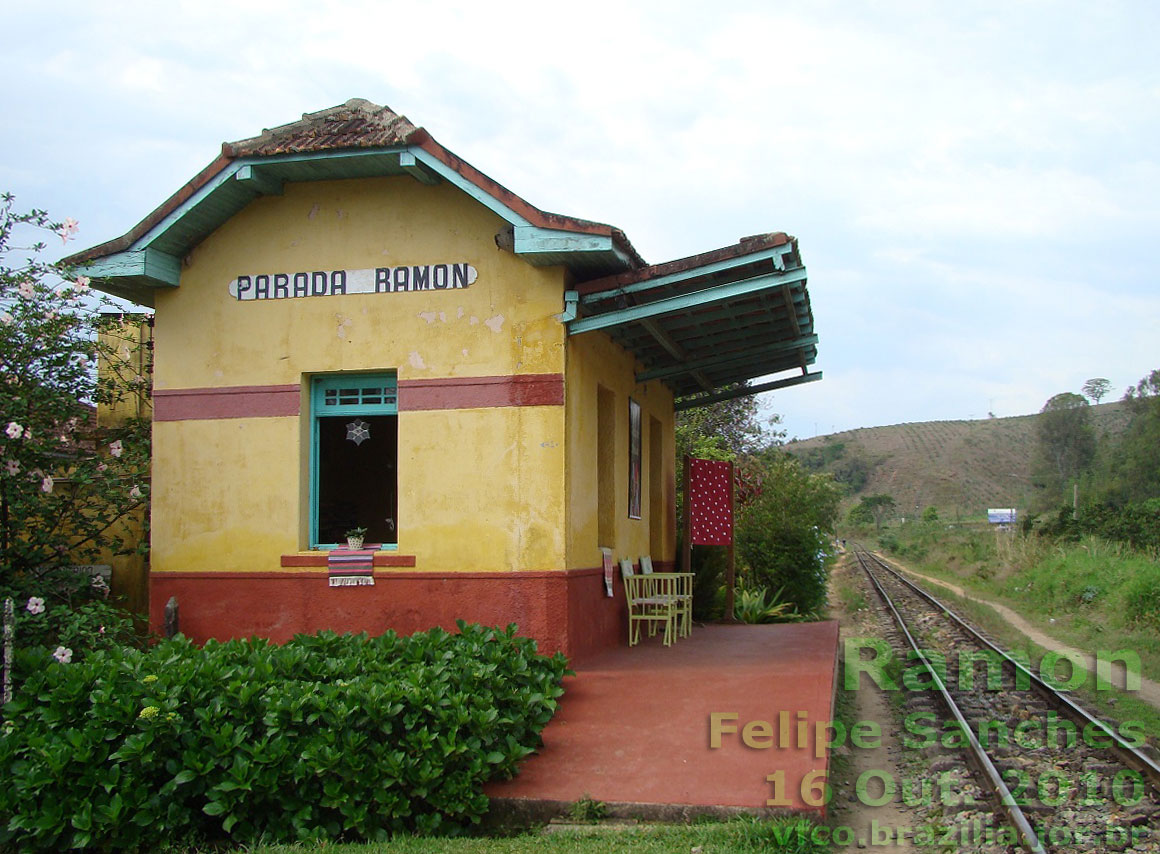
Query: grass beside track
{"x":1091,"y":594}
{"x":1083,"y":594}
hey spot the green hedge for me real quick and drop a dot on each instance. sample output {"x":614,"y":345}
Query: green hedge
{"x":327,"y":736}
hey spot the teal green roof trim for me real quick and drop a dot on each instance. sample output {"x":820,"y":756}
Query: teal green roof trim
{"x":357,"y":139}
{"x":531,"y":240}
{"x":585,"y":254}
{"x":158,"y":268}
{"x":232,"y":189}
{"x":241,"y":181}
{"x":135,"y":274}
{"x":453,"y":177}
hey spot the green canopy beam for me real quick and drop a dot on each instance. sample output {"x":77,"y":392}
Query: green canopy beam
{"x":774,"y":255}
{"x":744,"y":391}
{"x":671,"y":305}
{"x":754,"y":355}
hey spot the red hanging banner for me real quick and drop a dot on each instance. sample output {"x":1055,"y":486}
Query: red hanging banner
{"x":710,"y":503}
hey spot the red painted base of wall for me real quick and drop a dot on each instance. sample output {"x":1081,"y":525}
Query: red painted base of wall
{"x":565,"y":611}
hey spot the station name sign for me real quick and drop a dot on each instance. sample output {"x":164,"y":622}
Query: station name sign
{"x":377,"y":280}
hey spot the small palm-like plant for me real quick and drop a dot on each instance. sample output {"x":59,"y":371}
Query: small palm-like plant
{"x":752,"y":605}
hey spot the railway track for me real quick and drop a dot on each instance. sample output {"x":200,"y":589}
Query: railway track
{"x":1059,"y":778}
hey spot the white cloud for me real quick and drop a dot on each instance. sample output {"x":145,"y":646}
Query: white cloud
{"x":973,"y":184}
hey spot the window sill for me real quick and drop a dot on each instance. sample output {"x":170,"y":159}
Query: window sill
{"x":318,"y":558}
{"x":323,"y":549}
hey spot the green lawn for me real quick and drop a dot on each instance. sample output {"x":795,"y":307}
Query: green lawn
{"x":791,"y":836}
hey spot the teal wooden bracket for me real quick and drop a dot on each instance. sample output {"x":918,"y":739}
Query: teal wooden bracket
{"x":744,"y":391}
{"x":530,"y":239}
{"x":776,"y":255}
{"x":671,"y":305}
{"x":664,"y":339}
{"x":258,"y":180}
{"x":571,"y":307}
{"x":725,"y":361}
{"x":411,"y":165}
{"x":156,"y":268}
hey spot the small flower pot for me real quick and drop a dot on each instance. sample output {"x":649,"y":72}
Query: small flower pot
{"x":354,"y":543}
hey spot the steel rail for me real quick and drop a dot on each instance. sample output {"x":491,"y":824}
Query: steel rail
{"x":1131,"y":756}
{"x":1030,"y":841}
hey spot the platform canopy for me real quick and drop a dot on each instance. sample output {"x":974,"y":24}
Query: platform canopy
{"x":706,"y":324}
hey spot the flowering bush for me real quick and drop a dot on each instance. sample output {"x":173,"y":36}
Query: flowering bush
{"x":72,"y":624}
{"x":324,"y":737}
{"x":66,"y":484}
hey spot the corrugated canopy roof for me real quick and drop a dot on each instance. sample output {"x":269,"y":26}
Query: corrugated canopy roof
{"x":707,"y":323}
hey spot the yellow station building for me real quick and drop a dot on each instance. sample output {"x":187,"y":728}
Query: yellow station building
{"x":354,"y":328}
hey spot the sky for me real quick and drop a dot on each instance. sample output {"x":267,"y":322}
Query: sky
{"x":975,"y":186}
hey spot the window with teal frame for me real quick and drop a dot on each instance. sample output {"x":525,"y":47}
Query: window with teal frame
{"x":354,"y":452}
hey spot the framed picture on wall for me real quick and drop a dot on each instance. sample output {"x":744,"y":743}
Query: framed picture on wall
{"x":633,"y":459}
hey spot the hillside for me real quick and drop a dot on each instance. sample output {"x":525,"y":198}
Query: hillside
{"x":960,"y":467}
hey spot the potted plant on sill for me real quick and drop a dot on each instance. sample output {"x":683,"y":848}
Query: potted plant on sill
{"x":355,"y":537}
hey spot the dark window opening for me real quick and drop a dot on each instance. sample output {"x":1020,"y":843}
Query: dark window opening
{"x":358,"y":481}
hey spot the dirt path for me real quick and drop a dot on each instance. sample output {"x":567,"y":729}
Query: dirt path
{"x":1149,"y":690}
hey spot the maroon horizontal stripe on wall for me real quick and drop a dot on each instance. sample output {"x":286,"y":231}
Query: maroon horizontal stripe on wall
{"x":266,"y":401}
{"x":240,"y":401}
{"x":482,"y":392}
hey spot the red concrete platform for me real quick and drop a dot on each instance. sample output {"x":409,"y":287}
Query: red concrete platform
{"x":634,"y":725}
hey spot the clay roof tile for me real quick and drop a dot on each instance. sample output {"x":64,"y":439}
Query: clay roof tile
{"x":356,"y":124}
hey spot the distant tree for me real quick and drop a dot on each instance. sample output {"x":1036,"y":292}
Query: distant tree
{"x":930,"y":514}
{"x":852,"y":473}
{"x":1134,"y":462}
{"x":1066,"y":443}
{"x":1096,"y":389}
{"x":880,"y":507}
{"x":725,"y":430}
{"x":859,"y":515}
{"x":850,"y":470}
